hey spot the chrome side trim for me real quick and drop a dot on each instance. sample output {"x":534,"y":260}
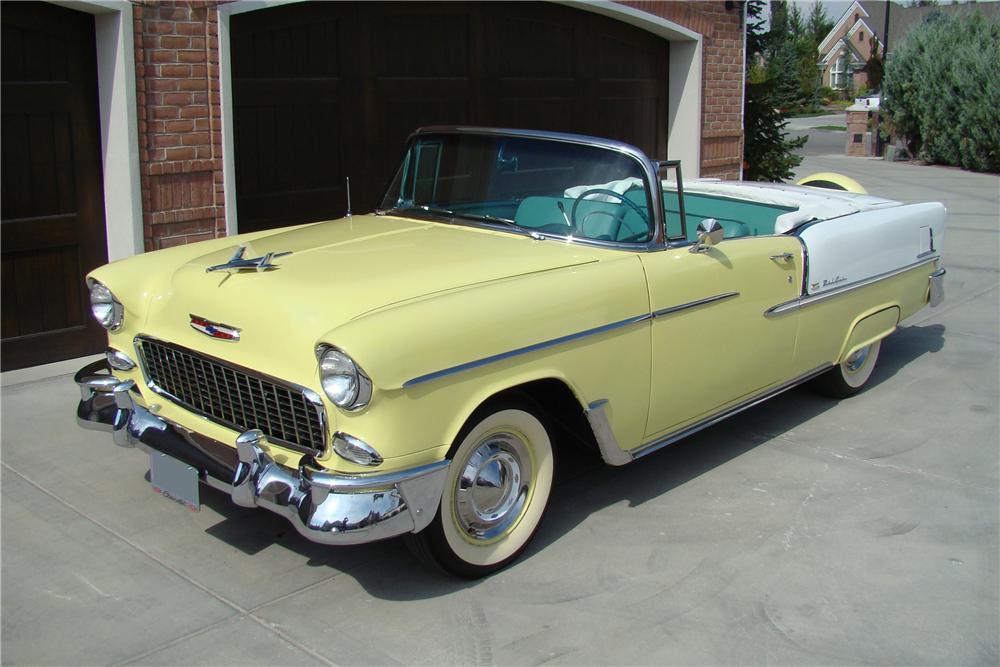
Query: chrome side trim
{"x":694,"y":304}
{"x":805,"y":301}
{"x":670,"y":438}
{"x":525,"y":350}
{"x":611,"y":452}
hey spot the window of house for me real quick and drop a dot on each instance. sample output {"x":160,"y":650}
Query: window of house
{"x":839,"y":75}
{"x":861,"y":36}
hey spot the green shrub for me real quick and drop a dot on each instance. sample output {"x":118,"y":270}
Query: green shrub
{"x":942,"y":91}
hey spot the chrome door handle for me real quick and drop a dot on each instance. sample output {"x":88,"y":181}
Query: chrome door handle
{"x":783,"y":257}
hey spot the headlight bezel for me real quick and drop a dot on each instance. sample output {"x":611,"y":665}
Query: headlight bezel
{"x":360,"y":396}
{"x":108,"y":298}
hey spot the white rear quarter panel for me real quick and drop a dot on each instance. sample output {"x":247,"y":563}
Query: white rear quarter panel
{"x":870,"y":243}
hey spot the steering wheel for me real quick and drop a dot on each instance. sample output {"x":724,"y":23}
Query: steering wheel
{"x":618,"y":218}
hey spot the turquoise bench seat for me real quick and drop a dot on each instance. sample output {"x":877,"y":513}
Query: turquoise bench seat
{"x":738,"y":218}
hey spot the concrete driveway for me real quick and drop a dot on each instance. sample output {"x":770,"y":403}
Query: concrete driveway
{"x":804,"y":531}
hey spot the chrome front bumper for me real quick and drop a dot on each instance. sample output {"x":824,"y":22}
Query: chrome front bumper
{"x":323,"y":506}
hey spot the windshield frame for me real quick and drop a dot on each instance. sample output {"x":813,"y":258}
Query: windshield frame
{"x":648,"y":170}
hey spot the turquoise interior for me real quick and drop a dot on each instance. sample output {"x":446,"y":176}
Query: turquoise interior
{"x":737,"y":217}
{"x":615,"y":221}
{"x":593,"y":219}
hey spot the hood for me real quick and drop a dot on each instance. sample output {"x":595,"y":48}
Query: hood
{"x":338,"y":271}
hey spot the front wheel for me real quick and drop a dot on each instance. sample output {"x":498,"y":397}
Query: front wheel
{"x":497,"y":488}
{"x":851,"y":375}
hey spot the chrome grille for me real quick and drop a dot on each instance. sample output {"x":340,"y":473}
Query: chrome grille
{"x":233,"y":396}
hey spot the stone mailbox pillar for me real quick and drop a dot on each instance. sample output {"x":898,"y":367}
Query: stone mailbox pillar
{"x":857,"y":129}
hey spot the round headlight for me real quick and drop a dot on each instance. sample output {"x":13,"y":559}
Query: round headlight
{"x":343,"y":382}
{"x":107,"y":310}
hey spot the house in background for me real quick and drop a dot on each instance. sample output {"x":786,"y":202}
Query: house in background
{"x":846,"y":49}
{"x":131,"y":126}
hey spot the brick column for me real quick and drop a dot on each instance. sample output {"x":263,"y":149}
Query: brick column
{"x":857,"y":127}
{"x":180,"y":138}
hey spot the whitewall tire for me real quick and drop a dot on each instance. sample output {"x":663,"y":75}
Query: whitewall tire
{"x":495,"y":495}
{"x":851,"y":375}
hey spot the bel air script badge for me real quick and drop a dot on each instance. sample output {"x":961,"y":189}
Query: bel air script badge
{"x":215,"y":329}
{"x":827,"y":282}
{"x":238,"y":263}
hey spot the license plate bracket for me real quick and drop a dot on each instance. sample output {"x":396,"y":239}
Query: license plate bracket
{"x":175,"y":480}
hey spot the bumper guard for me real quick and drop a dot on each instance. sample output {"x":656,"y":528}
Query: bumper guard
{"x":325,"y":507}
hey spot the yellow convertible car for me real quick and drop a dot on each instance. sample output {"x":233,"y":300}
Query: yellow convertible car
{"x":407,"y":372}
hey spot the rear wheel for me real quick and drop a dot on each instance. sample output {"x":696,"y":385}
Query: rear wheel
{"x":851,"y":375}
{"x":497,"y":488}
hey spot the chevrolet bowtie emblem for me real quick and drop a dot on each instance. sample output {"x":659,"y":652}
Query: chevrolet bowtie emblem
{"x":214,"y":329}
{"x":238,"y":263}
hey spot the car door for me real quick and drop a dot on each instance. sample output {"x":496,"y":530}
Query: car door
{"x":711,"y":343}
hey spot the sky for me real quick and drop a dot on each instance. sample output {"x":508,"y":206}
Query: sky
{"x":834,"y":8}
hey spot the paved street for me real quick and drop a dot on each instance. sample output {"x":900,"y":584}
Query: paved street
{"x":821,"y":142}
{"x":804,"y":531}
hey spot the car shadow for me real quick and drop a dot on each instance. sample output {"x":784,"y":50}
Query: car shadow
{"x":583,"y":486}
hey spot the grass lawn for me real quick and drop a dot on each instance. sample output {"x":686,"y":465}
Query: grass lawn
{"x":832,"y":128}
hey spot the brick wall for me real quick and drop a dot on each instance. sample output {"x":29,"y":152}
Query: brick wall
{"x":722,"y":78}
{"x":180,"y":139}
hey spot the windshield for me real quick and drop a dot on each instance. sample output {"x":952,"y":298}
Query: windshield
{"x":535,"y":185}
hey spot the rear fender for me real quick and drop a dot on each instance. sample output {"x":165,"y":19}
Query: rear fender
{"x":868,"y":329}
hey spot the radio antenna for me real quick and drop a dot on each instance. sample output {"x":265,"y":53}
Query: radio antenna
{"x":348,"y":196}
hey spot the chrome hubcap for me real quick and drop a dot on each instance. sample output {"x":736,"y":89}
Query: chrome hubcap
{"x":857,"y":360}
{"x":493,"y":486}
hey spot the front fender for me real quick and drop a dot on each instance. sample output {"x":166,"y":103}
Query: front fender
{"x":434,"y":360}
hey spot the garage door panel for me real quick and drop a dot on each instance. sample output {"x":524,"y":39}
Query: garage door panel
{"x":25,"y":311}
{"x":522,"y":47}
{"x":559,"y":114}
{"x":289,"y":91}
{"x":36,"y":48}
{"x":52,"y":201}
{"x":631,"y":120}
{"x":419,"y":44}
{"x":393,"y":67}
{"x":281,"y":208}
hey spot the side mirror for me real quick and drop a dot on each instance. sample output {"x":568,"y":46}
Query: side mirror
{"x":710,"y":233}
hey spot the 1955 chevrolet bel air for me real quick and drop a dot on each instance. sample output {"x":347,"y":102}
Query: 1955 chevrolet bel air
{"x":407,"y":372}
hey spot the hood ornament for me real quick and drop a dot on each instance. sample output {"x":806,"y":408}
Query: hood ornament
{"x":215,"y":329}
{"x":238,"y":263}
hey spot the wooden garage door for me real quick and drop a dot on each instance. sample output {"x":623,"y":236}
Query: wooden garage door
{"x":323,"y":91}
{"x":52,"y":203}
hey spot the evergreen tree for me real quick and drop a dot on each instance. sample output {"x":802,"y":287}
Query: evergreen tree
{"x":782,"y":56}
{"x":767,"y":154}
{"x":819,"y":25}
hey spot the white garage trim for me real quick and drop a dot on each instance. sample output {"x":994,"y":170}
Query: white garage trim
{"x":226,"y":99}
{"x":119,"y":126}
{"x":684,"y":75}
